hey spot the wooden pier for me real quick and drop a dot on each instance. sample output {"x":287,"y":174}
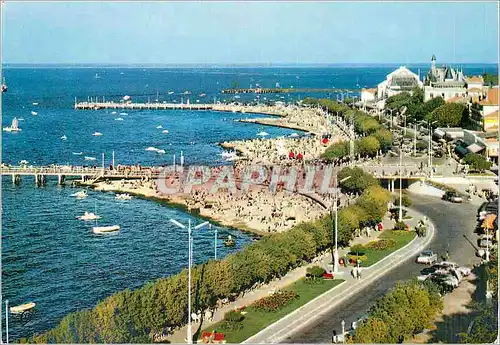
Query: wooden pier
{"x":140,"y":106}
{"x":286,"y":90}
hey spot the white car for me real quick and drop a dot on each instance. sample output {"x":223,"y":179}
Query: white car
{"x":445,"y":278}
{"x":427,"y":257}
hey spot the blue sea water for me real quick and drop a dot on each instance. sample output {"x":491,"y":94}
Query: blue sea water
{"x":53,"y":259}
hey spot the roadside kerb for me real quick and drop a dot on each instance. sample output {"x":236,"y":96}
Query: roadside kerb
{"x":283,"y":328}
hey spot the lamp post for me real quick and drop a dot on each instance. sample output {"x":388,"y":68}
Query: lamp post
{"x":343,"y":331}
{"x":400,"y":183}
{"x":6,"y":321}
{"x":430,"y":146}
{"x":336,"y":252}
{"x":190,"y":261}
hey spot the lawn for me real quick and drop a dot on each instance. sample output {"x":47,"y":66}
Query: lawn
{"x":401,"y":238}
{"x":256,"y":320}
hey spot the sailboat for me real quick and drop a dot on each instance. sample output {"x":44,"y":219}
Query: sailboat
{"x":64,"y":137}
{"x":105,"y":229}
{"x":34,"y":113}
{"x":19,"y":309}
{"x":4,"y":85}
{"x":14,"y":127}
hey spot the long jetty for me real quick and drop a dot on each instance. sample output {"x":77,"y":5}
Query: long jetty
{"x":286,"y":90}
{"x":153,"y":106}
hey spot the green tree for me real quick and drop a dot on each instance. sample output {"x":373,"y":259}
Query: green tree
{"x":477,"y":162}
{"x":450,"y":115}
{"x":335,"y":151}
{"x":372,"y":331}
{"x":490,"y":79}
{"x":384,"y":137}
{"x":358,"y":182}
{"x":367,"y":146}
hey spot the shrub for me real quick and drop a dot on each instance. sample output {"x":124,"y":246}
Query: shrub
{"x":352,"y":257}
{"x":233,"y":316}
{"x":357,"y":249}
{"x":400,"y":226}
{"x":316,"y":271}
{"x":405,"y":201}
{"x":382,"y":244}
{"x":276,"y":301}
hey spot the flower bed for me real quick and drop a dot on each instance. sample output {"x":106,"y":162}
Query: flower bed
{"x":276,"y":301}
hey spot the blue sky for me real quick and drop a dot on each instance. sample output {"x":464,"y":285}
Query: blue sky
{"x":249,"y":32}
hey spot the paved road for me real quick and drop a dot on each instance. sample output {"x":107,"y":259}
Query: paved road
{"x":451,"y":220}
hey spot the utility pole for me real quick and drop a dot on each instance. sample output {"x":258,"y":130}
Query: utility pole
{"x":400,"y":183}
{"x":415,"y":141}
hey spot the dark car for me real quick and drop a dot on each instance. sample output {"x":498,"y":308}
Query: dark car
{"x":453,"y":197}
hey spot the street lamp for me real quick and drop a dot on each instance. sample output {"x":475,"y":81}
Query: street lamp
{"x":343,"y":331}
{"x":400,"y":183}
{"x":336,"y":253}
{"x":429,"y":123}
{"x":190,"y":259}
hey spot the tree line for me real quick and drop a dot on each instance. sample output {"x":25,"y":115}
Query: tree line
{"x":136,"y":316}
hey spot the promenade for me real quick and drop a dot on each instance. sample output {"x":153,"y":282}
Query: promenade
{"x":293,"y":322}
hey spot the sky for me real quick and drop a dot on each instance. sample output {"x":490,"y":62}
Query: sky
{"x":249,"y":32}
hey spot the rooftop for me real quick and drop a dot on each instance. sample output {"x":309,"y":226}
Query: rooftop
{"x":491,"y":97}
{"x":475,"y":79}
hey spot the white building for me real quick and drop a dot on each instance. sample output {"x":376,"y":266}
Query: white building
{"x":400,"y":80}
{"x":444,"y":82}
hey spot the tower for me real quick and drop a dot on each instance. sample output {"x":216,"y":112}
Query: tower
{"x":433,"y":62}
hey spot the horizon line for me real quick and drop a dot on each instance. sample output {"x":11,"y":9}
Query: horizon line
{"x":237,"y":64}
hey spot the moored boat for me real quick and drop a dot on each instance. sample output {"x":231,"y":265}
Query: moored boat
{"x":89,"y":216}
{"x":80,"y":194}
{"x":19,"y":309}
{"x":124,"y":196}
{"x":105,"y":229}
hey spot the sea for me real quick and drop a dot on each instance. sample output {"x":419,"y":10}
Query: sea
{"x":51,"y":258}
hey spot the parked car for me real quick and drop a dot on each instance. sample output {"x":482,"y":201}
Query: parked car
{"x":449,"y":265}
{"x":427,"y":257}
{"x":453,"y":197}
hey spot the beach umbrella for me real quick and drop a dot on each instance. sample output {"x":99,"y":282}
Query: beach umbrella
{"x":300,"y":156}
{"x":291,"y":155}
{"x":324,"y":141}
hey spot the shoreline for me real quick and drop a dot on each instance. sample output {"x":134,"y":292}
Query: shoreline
{"x":255,"y":218}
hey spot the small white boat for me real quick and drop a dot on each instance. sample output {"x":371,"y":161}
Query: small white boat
{"x":170,"y":92}
{"x":113,"y":112}
{"x":119,"y":119}
{"x":187,"y":92}
{"x":151,"y":148}
{"x":126,"y":98}
{"x":105,"y":229}
{"x":161,"y":151}
{"x":294,"y":135}
{"x":14,"y":127}
{"x":226,"y":154}
{"x":123,"y":114}
{"x":64,"y":137}
{"x":35,"y":103}
{"x":124,"y":196}
{"x":19,"y":309}
{"x":20,"y":119}
{"x":237,"y":97}
{"x":87,"y":158}
{"x":23,"y":162}
{"x":262,"y":134}
{"x":89,"y":216}
{"x":80,"y":194}
{"x":97,"y":134}
{"x":34,"y":113}
{"x":202,"y":94}
{"x":165,"y":131}
{"x":159,"y":127}
{"x":197,"y":101}
{"x":78,"y":153}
